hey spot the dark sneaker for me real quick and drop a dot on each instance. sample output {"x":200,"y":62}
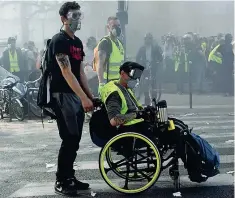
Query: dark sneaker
{"x":80,"y":185}
{"x":67,"y":187}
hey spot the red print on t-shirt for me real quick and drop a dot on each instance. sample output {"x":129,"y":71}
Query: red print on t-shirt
{"x":76,"y":52}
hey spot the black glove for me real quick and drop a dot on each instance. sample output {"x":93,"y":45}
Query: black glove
{"x":150,"y":113}
{"x":96,"y":102}
{"x":140,"y":114}
{"x":149,"y":109}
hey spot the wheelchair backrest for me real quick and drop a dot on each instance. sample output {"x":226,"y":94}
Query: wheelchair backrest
{"x":100,"y":126}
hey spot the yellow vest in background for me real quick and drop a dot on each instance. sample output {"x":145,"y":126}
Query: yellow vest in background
{"x":116,"y":59}
{"x":14,"y":66}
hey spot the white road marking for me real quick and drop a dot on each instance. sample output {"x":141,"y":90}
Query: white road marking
{"x":94,"y":165}
{"x":99,"y":186}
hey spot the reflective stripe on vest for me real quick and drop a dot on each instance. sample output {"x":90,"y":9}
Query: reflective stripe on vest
{"x":14,"y":66}
{"x":108,"y":89}
{"x":116,"y":59}
{"x":203,"y":46}
{"x":177,"y":62}
{"x":214,"y":56}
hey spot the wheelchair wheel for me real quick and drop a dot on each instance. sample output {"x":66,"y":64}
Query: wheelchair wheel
{"x":133,"y":163}
{"x":147,"y":153}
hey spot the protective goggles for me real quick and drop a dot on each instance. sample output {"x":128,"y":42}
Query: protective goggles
{"x":135,"y":73}
{"x":75,"y":15}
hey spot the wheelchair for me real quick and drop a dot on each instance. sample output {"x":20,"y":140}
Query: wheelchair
{"x":137,"y":160}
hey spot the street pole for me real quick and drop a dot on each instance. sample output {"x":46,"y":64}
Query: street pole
{"x":24,"y":22}
{"x":122,"y":15}
{"x":190,"y":85}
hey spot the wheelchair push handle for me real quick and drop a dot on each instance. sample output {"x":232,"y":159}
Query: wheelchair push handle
{"x":97,"y":102}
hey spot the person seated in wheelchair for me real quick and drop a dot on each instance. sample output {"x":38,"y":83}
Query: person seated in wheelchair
{"x":123,"y":109}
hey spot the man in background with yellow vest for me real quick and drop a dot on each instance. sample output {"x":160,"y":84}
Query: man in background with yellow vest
{"x":110,"y":53}
{"x":181,"y":68}
{"x":121,"y":104}
{"x":215,"y":66}
{"x":12,"y":59}
{"x":227,"y":51}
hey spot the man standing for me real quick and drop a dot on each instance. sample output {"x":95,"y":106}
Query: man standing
{"x":71,"y":95}
{"x":110,"y":53}
{"x":12,"y":59}
{"x":150,"y":56}
{"x":89,"y":50}
{"x":90,"y":73}
{"x":31,"y":56}
{"x":227,"y":53}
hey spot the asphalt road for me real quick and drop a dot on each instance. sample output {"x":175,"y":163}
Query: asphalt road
{"x":28,"y":156}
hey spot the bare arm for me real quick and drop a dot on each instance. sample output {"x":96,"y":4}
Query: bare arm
{"x":120,"y":119}
{"x":84,"y":81}
{"x":101,"y":65}
{"x":114,"y":106}
{"x":64,"y":63}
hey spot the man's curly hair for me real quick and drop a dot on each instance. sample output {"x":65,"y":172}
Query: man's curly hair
{"x":64,"y":9}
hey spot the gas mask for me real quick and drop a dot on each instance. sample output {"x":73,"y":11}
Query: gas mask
{"x":11,"y":45}
{"x":116,"y":31}
{"x":74,"y":17}
{"x":134,"y":75}
{"x":132,"y":83}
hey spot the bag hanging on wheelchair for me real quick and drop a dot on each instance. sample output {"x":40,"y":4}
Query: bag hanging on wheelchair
{"x":202,"y":160}
{"x":101,"y":130}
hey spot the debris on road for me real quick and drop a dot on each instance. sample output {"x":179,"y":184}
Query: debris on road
{"x":231,"y":172}
{"x":229,"y":141}
{"x":49,"y":165}
{"x":177,"y":194}
{"x":93,"y":194}
{"x":188,"y":114}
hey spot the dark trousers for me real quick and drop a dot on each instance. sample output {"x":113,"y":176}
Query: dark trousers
{"x":70,"y":118}
{"x":143,"y":128}
{"x":182,"y":78}
{"x":148,"y":86}
{"x":228,"y":78}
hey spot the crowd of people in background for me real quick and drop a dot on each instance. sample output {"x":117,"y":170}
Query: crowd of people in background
{"x":212,"y":61}
{"x":21,"y":61}
{"x":211,"y":57}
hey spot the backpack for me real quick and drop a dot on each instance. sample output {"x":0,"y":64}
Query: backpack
{"x":96,"y":56}
{"x":44,"y":99}
{"x":201,"y":160}
{"x":100,"y":128}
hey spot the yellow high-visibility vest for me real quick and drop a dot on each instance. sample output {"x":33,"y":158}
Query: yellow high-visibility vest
{"x":14,"y":66}
{"x":215,"y":56}
{"x":177,"y":62}
{"x":203,"y":46}
{"x":116,"y":59}
{"x":110,"y":88}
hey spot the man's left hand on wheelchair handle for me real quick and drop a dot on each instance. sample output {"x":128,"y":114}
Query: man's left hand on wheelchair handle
{"x":147,"y":113}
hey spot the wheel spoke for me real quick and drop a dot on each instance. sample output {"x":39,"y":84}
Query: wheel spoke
{"x":142,"y":173}
{"x":127,"y":177}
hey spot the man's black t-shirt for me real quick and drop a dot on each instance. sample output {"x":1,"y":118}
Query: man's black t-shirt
{"x":63,"y":43}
